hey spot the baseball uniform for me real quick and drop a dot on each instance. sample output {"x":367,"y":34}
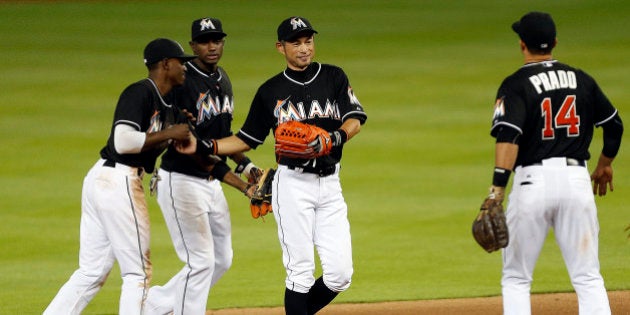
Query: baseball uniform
{"x":192,"y":200}
{"x":552,"y":109}
{"x":307,"y":201}
{"x":114,"y":214}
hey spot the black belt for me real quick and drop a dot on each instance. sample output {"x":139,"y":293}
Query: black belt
{"x":569,"y":161}
{"x":321,"y":171}
{"x":112,"y":163}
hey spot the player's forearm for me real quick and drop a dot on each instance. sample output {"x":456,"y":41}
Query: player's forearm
{"x":230,"y":145}
{"x":505,"y":155}
{"x":233,"y":180}
{"x":604,"y":161}
{"x":351,"y":126}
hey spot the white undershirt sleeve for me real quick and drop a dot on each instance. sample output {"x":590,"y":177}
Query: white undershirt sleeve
{"x":128,"y":140}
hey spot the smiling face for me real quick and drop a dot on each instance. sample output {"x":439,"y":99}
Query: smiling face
{"x":298,"y":52}
{"x":209,"y":50}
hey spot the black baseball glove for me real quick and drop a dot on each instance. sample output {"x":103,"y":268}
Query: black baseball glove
{"x":490,"y":227}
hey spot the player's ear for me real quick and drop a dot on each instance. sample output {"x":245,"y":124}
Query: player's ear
{"x":522,"y":45}
{"x":280,"y":47}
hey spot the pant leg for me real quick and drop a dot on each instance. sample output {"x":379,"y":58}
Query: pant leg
{"x":185,"y":202}
{"x":95,"y":257}
{"x":125,"y":216}
{"x":576,"y":230}
{"x":221,"y":227}
{"x":293,"y":198}
{"x":528,"y":226}
{"x":332,"y":235}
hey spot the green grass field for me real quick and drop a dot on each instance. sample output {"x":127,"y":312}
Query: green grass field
{"x":426,"y":73}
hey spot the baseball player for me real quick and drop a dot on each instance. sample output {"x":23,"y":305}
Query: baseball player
{"x":307,"y":201}
{"x":543,"y":122}
{"x":114,"y":216}
{"x":189,"y":190}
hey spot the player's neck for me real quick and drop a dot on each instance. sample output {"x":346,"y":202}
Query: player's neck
{"x":162,"y":85}
{"x":533,"y":58}
{"x":208,"y":68}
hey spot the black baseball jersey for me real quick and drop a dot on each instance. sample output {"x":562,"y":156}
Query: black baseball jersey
{"x":209,"y":97}
{"x":320,"y":95}
{"x":142,"y":107}
{"x":554,"y":108}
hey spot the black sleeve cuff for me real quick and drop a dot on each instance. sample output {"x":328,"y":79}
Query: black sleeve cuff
{"x":219,"y":170}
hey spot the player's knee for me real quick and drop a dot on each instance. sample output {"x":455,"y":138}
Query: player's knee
{"x":340,"y":280}
{"x":223,"y":263}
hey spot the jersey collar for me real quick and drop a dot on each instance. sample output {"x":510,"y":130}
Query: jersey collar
{"x":303,"y":77}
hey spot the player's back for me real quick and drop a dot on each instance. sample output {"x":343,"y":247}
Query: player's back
{"x":559,"y":105}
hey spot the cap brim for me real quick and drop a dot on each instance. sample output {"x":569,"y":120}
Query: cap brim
{"x":210,"y":35}
{"x":516,"y":26}
{"x":304,"y":32}
{"x":185,"y":58}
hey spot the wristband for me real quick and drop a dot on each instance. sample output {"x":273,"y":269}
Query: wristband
{"x":242,"y":166}
{"x":338,"y":137}
{"x":501,"y":177}
{"x":219,"y":170}
{"x":206,"y":147}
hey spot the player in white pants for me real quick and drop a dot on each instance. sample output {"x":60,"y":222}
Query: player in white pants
{"x":114,"y":214}
{"x":544,"y":118}
{"x":189,"y":191}
{"x":307,"y":199}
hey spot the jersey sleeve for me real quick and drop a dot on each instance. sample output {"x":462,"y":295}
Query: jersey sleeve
{"x":604,"y":109}
{"x":258,"y":123}
{"x":349,"y":105}
{"x":133,"y":107}
{"x":509,"y":110}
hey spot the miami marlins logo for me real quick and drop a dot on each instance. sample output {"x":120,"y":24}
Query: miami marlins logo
{"x":297,"y":23}
{"x":155,"y":124}
{"x":206,"y":24}
{"x":499,"y":109}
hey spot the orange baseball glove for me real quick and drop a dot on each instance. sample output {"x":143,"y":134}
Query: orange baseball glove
{"x":295,"y":139}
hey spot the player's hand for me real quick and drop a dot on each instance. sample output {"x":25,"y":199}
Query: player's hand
{"x":602,"y":178}
{"x":186,"y":146}
{"x":187,"y":116}
{"x":254,"y":175}
{"x":179,"y":132}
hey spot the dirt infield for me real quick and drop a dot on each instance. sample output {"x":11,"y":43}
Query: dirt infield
{"x":556,"y":304}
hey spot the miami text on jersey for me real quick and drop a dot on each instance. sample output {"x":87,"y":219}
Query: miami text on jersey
{"x":285,"y":110}
{"x":553,"y":80}
{"x":208,"y":107}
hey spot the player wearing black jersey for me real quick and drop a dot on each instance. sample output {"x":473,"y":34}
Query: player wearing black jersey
{"x":114,"y":214}
{"x":189,"y":191}
{"x":543,"y":123}
{"x":307,"y":201}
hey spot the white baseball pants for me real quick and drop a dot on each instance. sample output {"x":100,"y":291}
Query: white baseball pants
{"x":114,"y":227}
{"x":311,"y":213}
{"x":552,"y":195}
{"x":198,"y":219}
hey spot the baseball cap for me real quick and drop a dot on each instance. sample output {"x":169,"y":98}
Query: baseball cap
{"x":291,"y":27}
{"x":162,"y":48}
{"x":206,"y":26}
{"x":536,"y":29}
